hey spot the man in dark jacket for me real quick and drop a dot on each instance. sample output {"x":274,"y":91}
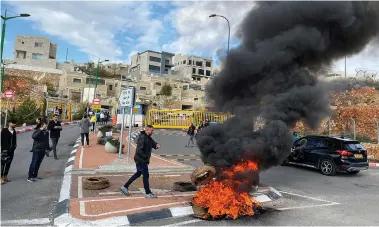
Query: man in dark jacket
{"x":55,"y":129}
{"x":8,"y":146}
{"x":40,"y":145}
{"x":142,"y":158}
{"x":191,"y":133}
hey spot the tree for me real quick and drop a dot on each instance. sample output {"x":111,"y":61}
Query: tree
{"x":91,"y":68}
{"x":27,"y":112}
{"x":166,"y":90}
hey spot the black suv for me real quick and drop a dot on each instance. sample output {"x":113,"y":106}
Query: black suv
{"x":329,"y":154}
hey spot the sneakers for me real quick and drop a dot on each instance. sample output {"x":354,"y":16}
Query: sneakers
{"x":6,"y":179}
{"x":2,"y":181}
{"x":151,"y":196}
{"x":39,"y":178}
{"x":124,"y":191}
{"x":31,"y":180}
{"x":56,"y":158}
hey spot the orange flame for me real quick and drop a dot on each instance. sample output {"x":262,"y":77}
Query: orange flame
{"x":221,"y":197}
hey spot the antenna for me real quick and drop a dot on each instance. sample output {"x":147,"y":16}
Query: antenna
{"x":66,"y":54}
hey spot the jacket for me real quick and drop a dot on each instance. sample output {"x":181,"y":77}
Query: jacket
{"x":8,"y":140}
{"x":191,"y":130}
{"x":41,"y":140}
{"x":143,"y":151}
{"x":54,"y":132}
{"x":93,"y":119}
{"x":84,"y":125}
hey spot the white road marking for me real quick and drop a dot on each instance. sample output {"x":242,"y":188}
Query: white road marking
{"x":76,"y":145}
{"x":181,"y":211}
{"x":74,"y":151}
{"x":81,"y":158}
{"x":172,"y":175}
{"x":71,"y":159}
{"x":80,"y":187}
{"x":308,"y":197}
{"x":82,"y":209}
{"x":39,"y":221}
{"x":65,"y":188}
{"x":184,"y":222}
{"x":118,"y":193}
{"x":130,"y":198}
{"x":68,"y":169}
{"x":310,"y":206}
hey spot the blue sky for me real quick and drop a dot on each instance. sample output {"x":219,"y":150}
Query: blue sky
{"x":116,"y":30}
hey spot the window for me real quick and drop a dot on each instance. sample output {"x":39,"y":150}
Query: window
{"x":167,"y":62}
{"x":353,"y":146}
{"x":142,"y":88}
{"x":201,"y":71}
{"x":37,"y":56}
{"x":93,"y":81}
{"x":185,"y":87}
{"x":208,"y":64}
{"x":184,"y":62}
{"x":195,"y":87}
{"x":158,"y":84}
{"x":300,"y":143}
{"x":199,"y":63}
{"x":21,"y":54}
{"x":110,"y":87}
{"x":189,"y":62}
{"x":195,"y":99}
{"x":154,"y":59}
{"x":22,"y":42}
{"x":154,"y":68}
{"x":208,"y":73}
{"x":76,"y":80}
{"x":193,"y":70}
{"x":37,"y":44}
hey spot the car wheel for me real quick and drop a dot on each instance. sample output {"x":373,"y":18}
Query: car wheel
{"x":327,"y":167}
{"x":354,"y":172}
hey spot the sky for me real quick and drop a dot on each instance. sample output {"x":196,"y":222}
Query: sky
{"x":115,"y":30}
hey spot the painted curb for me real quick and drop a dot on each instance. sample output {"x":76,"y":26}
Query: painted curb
{"x":31,"y":127}
{"x":373,"y":164}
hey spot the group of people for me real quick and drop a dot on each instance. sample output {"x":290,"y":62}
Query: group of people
{"x":101,"y":117}
{"x":192,"y":132}
{"x":40,"y":148}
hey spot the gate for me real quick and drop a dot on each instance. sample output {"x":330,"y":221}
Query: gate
{"x":178,"y":119}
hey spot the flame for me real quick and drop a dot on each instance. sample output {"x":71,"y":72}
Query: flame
{"x":221,"y":197}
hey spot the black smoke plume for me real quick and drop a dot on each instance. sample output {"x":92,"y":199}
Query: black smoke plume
{"x":272,"y":75}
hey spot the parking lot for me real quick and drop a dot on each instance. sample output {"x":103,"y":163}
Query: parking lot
{"x":309,"y":198}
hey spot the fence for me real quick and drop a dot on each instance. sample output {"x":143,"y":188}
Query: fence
{"x":179,"y":119}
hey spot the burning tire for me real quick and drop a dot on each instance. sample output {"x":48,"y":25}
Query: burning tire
{"x":184,"y":186}
{"x":203,"y":175}
{"x":95,"y":183}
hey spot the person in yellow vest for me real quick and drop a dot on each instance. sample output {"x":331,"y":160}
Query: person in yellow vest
{"x":93,"y":122}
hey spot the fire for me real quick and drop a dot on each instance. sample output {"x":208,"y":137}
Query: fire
{"x":221,"y":197}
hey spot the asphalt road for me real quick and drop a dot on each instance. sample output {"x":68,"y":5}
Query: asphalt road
{"x":22,"y":200}
{"x":309,"y":198}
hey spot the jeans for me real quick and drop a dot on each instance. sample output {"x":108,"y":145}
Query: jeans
{"x":190,"y":140}
{"x":142,"y":169}
{"x":35,"y":164}
{"x":6,"y":165}
{"x":93,"y":127}
{"x":54,"y":147}
{"x":82,"y":137}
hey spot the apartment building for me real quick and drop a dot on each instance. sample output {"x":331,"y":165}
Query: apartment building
{"x":151,"y":62}
{"x":35,"y":51}
{"x":116,"y":68}
{"x":193,"y":67}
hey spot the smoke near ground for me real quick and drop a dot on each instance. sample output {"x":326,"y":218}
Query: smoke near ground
{"x":272,"y":75}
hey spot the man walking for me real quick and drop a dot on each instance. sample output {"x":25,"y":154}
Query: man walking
{"x":40,"y":145}
{"x":8,"y":146}
{"x":191,"y":133}
{"x":55,"y":129}
{"x":142,"y":158}
{"x":84,"y":125}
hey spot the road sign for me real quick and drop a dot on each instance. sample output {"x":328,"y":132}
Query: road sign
{"x":96,"y":101}
{"x":135,"y":110}
{"x":96,"y":107}
{"x":9,"y":94}
{"x":127,"y":97}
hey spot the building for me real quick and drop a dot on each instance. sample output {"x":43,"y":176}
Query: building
{"x":116,"y":68}
{"x":193,"y":67}
{"x":151,"y":62}
{"x":35,"y":51}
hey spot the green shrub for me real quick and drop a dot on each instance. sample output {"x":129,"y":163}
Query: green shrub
{"x":27,"y":113}
{"x":114,"y":142}
{"x":106,"y":128}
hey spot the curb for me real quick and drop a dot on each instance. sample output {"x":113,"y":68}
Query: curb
{"x":373,"y":164}
{"x":31,"y":127}
{"x":62,"y":208}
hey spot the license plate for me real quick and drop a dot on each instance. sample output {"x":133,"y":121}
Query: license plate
{"x":358,"y":155}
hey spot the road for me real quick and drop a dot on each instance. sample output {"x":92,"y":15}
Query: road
{"x":309,"y":198}
{"x":22,"y":200}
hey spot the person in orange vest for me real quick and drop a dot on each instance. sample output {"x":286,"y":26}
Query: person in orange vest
{"x":114,"y":119}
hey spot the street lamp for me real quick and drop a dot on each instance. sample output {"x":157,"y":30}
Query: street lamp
{"x":215,"y":15}
{"x":5,"y":18}
{"x":97,"y":74}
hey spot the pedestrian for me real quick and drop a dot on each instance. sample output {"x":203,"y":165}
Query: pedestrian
{"x":191,"y":132}
{"x":38,"y":121}
{"x":102,"y":117}
{"x":84,"y":125}
{"x":97,"y":117}
{"x":93,"y":122}
{"x":8,"y":146}
{"x":55,"y":129}
{"x":142,"y":159}
{"x":40,"y":145}
{"x":60,"y":112}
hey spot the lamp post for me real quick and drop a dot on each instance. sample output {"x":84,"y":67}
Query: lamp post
{"x":5,"y":18}
{"x":215,"y":15}
{"x":97,"y":75}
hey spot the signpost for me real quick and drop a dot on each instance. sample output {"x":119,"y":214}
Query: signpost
{"x":9,"y":95}
{"x":96,"y":101}
{"x":96,"y":107}
{"x":127,"y":99}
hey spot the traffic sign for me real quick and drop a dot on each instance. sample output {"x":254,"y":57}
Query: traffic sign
{"x":9,"y":94}
{"x":127,"y":97}
{"x":96,"y":101}
{"x":96,"y":107}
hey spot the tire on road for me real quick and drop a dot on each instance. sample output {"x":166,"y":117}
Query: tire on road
{"x":203,"y":175}
{"x":95,"y":183}
{"x":184,"y":186}
{"x":327,"y":167}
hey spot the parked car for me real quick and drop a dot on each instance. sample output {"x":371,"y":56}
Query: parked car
{"x":329,"y":154}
